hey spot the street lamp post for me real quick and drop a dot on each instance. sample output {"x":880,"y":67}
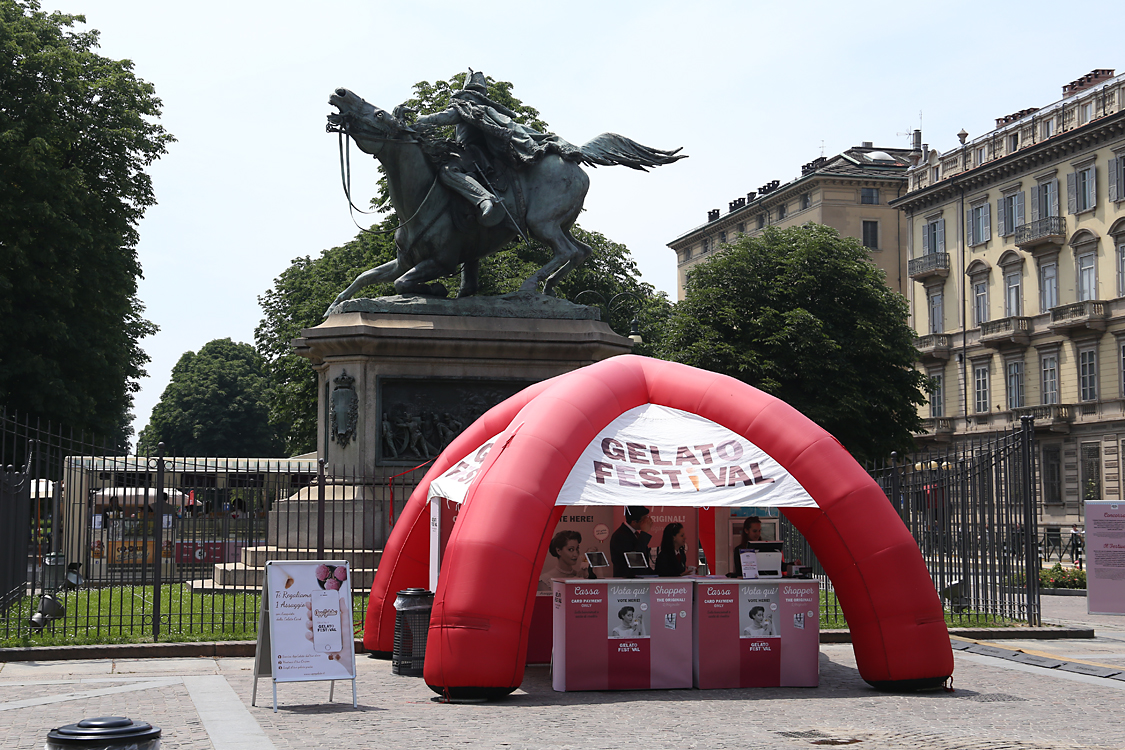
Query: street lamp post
{"x":634,"y":324}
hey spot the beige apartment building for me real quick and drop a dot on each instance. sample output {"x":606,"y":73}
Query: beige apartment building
{"x":1017,"y":261}
{"x":850,"y":192}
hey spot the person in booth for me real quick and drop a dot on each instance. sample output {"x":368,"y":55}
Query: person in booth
{"x":631,"y":536}
{"x":671,"y":561}
{"x":751,"y":532}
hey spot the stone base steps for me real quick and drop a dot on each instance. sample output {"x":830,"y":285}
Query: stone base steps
{"x":250,"y":573}
{"x":236,"y":577}
{"x":256,"y":557}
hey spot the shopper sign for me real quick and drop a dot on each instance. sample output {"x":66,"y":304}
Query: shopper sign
{"x":305,"y":627}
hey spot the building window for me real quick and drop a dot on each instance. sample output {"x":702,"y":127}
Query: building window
{"x":1009,"y":213}
{"x":981,"y":155}
{"x":1012,"y":301}
{"x":933,"y":237}
{"x":1117,"y":178}
{"x":1088,"y":375}
{"x":741,"y":227}
{"x":977,"y":221}
{"x":1085,"y":112}
{"x":1081,"y":195}
{"x":781,"y":211}
{"x":935,"y":174}
{"x":761,"y":220}
{"x":1121,"y":359}
{"x":722,"y":238}
{"x":806,"y":201}
{"x":1091,"y":461}
{"x":1048,"y":286}
{"x":980,"y":303}
{"x":1120,"y":256}
{"x":1013,"y":142}
{"x":937,"y":311}
{"x":1045,"y":200}
{"x":1049,"y":367}
{"x":980,"y":389}
{"x":1052,"y":475}
{"x":1087,"y":277}
{"x":869,"y":195}
{"x":871,"y":234}
{"x":1014,"y":372}
{"x":1047,"y":128}
{"x":937,"y":394}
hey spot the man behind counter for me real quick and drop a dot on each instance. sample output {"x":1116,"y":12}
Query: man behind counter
{"x":631,"y":536}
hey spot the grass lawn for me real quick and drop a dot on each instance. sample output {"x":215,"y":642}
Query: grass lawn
{"x":124,"y":615}
{"x":832,"y":616}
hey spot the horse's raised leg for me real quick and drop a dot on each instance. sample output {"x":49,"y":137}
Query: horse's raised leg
{"x":584,"y":252}
{"x":564,"y":252}
{"x":470,"y":278}
{"x":415,"y":280}
{"x":384,"y":272}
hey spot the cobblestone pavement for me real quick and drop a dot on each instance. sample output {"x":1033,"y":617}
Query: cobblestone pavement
{"x":996,"y":704}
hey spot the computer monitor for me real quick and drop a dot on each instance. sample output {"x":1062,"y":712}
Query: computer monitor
{"x":597,"y":560}
{"x":636,"y":560}
{"x":763,"y":546}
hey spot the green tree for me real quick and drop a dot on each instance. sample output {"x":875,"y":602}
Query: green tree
{"x":214,"y":405}
{"x":302,"y":292}
{"x":76,"y":132}
{"x":804,"y":315}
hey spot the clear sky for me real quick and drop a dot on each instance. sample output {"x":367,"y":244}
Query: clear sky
{"x":751,"y":90}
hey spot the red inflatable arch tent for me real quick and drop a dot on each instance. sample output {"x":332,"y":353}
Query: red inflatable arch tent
{"x":478,"y":637}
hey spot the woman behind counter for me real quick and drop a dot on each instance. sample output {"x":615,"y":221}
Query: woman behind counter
{"x":671,"y":561}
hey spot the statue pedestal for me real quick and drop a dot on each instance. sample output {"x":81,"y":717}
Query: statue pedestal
{"x":399,"y":378}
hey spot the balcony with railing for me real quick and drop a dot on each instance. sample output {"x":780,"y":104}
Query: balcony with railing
{"x":928,"y":265}
{"x":933,"y":346}
{"x":1078,"y":317}
{"x":1055,"y":417}
{"x":1015,"y":330}
{"x":938,"y":429}
{"x":1050,"y":230}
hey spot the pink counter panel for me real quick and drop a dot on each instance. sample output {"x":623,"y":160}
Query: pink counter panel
{"x":622,"y":634}
{"x":756,"y":633}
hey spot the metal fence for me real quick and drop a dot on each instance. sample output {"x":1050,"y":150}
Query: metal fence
{"x":99,"y":545}
{"x":106,"y":545}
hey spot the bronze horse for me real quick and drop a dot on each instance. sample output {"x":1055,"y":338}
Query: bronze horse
{"x":545,"y":197}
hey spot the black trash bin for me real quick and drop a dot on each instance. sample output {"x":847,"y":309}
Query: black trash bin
{"x":412,"y":624}
{"x":105,"y":733}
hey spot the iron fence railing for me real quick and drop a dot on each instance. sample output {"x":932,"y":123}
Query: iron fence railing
{"x":174,"y":548}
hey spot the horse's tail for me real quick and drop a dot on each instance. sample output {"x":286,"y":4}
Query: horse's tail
{"x":609,"y":149}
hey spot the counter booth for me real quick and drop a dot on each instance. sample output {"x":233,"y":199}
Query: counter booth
{"x":519,"y":529}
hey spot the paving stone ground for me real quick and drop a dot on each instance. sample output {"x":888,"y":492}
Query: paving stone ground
{"x":996,"y":704}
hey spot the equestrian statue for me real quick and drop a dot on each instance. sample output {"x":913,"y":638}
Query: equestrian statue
{"x":462,"y":200}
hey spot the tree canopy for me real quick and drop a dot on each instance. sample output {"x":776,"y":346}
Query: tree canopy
{"x":804,"y":315}
{"x":214,"y":405}
{"x":76,"y":133}
{"x":304,"y":290}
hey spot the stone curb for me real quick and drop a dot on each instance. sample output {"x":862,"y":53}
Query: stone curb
{"x":1062,"y":592}
{"x":213,"y":649}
